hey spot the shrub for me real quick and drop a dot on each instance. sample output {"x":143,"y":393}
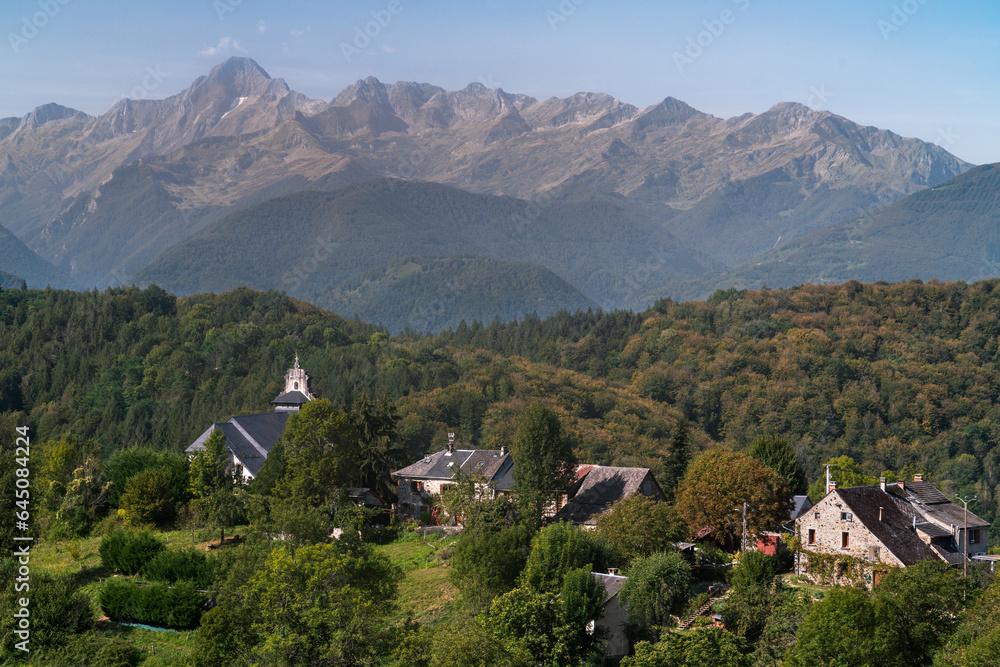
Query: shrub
{"x":126,"y":552}
{"x":177,"y":607}
{"x":755,"y":569}
{"x":187,"y":565}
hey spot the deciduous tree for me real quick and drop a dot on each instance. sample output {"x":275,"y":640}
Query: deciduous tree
{"x":719,"y":482}
{"x":639,"y":526}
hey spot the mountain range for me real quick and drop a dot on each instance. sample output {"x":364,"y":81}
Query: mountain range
{"x":232,"y":180}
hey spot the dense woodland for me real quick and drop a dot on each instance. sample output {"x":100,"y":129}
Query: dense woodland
{"x":775,"y":384}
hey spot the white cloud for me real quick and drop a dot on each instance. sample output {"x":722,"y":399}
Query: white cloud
{"x":261,"y":27}
{"x":298,"y":33}
{"x":225,"y":45}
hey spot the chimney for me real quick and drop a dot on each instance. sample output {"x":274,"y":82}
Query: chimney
{"x":503,"y":451}
{"x":918,"y":478}
{"x":613,"y":571}
{"x":901,"y":484}
{"x":832,"y":486}
{"x":451,"y":443}
{"x":881,"y":482}
{"x":880,"y":512}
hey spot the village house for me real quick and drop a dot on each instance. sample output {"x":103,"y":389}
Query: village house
{"x":614,"y":618}
{"x":422,"y":483}
{"x":861,"y":531}
{"x":250,"y":438}
{"x":593,"y":491}
{"x":596,"y":488}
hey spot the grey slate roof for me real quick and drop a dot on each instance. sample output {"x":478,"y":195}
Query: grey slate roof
{"x":249,"y":437}
{"x":895,"y":529}
{"x":936,"y":505}
{"x":487,"y":463}
{"x":597,"y":487}
{"x":291,"y":398}
{"x":612,"y":584}
{"x":800,"y":504}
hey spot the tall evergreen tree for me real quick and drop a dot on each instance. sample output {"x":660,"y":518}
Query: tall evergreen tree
{"x":544,"y":465}
{"x":779,"y":456}
{"x":677,"y":460}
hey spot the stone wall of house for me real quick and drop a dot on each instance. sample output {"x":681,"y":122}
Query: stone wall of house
{"x":418,"y":494}
{"x":827,"y":518}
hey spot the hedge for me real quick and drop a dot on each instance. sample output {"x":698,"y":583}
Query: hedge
{"x":179,"y":606}
{"x":126,"y":552}
{"x":187,"y":565}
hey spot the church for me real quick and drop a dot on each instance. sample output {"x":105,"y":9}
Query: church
{"x":251,"y":437}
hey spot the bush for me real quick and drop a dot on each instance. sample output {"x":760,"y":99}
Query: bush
{"x":755,"y":569}
{"x":179,"y":607}
{"x":126,"y":552}
{"x":187,"y":565}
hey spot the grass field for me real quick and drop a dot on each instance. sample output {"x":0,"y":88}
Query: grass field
{"x":425,"y":594}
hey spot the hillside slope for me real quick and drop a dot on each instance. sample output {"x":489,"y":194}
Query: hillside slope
{"x":312,"y":241}
{"x":436,"y":293}
{"x":949,"y":232}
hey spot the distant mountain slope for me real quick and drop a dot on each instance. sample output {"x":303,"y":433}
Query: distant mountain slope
{"x":436,"y":293}
{"x":8,"y":281}
{"x":312,"y":240}
{"x":949,"y":232}
{"x":727,"y":187}
{"x":16,"y":259}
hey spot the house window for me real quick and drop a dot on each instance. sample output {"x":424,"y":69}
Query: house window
{"x":816,"y":515}
{"x":974,"y":536}
{"x":846,"y":516}
{"x":845,"y":540}
{"x":417,"y":487}
{"x":647,"y":488}
{"x":812,"y":536}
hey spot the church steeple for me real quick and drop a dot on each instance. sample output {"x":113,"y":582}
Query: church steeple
{"x":296,"y":389}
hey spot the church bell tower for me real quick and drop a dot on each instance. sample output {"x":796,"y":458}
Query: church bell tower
{"x":296,"y":389}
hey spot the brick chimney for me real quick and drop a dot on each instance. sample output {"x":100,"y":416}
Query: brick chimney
{"x":831,"y":487}
{"x":918,"y":478}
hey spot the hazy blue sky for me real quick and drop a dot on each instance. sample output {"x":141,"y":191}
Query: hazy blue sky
{"x":921,"y":68}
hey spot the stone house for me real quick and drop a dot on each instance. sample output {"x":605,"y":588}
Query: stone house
{"x":596,"y":488}
{"x":613,"y":619}
{"x":857,"y":533}
{"x":421,"y":484}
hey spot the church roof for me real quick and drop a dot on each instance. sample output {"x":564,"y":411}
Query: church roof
{"x":249,"y":437}
{"x":291,"y":398}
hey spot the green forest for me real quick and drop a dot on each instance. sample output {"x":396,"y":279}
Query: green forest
{"x":872,"y":379}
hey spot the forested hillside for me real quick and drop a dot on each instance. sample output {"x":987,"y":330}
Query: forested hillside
{"x":897,"y":377}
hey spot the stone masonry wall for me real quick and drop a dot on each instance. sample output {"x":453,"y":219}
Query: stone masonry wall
{"x":827,"y":520}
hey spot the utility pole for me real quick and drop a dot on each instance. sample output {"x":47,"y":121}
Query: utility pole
{"x":965,"y":539}
{"x":743,"y":542}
